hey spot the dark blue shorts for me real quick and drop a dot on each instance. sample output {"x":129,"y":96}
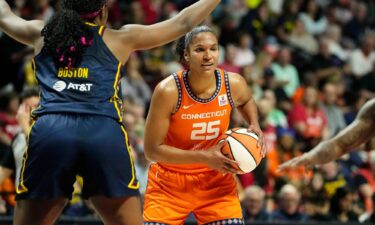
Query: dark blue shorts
{"x":62,"y":146}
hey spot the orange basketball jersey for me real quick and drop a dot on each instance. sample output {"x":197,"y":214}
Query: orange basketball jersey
{"x":198,"y":123}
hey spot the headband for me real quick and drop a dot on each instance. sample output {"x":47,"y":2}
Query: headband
{"x":91,"y":15}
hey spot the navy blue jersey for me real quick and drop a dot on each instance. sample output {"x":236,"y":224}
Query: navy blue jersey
{"x":90,"y":88}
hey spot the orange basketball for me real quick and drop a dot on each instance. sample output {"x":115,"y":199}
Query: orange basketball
{"x":242,"y":147}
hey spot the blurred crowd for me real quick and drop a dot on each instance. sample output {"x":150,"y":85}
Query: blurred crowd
{"x":310,"y":65}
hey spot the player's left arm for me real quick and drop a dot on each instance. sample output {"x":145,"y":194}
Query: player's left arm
{"x":24,"y":31}
{"x":245,"y":104}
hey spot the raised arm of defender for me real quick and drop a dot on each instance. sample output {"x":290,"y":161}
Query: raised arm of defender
{"x":26,"y":32}
{"x":128,"y":39}
{"x":145,"y":37}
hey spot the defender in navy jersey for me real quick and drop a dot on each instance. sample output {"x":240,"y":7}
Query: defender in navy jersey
{"x":77,"y":128}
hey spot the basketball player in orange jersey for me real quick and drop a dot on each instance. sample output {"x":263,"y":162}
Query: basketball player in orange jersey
{"x":78,"y":125}
{"x":189,"y":112}
{"x":361,"y":130}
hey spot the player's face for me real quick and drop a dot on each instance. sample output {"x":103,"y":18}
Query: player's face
{"x":203,"y":52}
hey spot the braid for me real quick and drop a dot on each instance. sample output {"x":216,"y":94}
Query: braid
{"x":66,"y":36}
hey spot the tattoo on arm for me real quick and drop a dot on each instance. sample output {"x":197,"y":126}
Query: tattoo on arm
{"x":361,"y":130}
{"x":357,"y":133}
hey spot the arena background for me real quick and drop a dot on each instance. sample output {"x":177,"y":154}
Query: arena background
{"x":296,"y":55}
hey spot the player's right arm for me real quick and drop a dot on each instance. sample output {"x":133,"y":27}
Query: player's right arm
{"x":163,"y":104}
{"x":360,"y":131}
{"x":25,"y":32}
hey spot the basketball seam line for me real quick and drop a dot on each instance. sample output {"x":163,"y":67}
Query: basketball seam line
{"x":245,"y":148}
{"x":230,"y":148}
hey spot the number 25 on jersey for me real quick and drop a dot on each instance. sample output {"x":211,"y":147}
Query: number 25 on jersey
{"x":205,"y":130}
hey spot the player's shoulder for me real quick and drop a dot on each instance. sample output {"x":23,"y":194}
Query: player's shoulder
{"x":167,"y":87}
{"x":235,"y":79}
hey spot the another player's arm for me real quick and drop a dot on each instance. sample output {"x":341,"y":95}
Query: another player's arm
{"x":138,"y":37}
{"x":360,"y":131}
{"x":245,"y":104}
{"x":163,"y":104}
{"x":26,"y":32}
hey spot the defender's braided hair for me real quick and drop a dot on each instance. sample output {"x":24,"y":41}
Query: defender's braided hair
{"x":66,"y":36}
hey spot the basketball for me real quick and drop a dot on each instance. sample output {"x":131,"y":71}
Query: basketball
{"x":242,"y":147}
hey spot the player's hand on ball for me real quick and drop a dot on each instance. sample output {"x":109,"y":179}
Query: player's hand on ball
{"x":216,"y":160}
{"x":261,"y":142}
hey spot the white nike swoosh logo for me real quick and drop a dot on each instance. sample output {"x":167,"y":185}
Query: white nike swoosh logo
{"x":186,"y":106}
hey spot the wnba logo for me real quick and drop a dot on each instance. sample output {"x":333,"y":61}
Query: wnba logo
{"x":223,"y":100}
{"x":59,"y":86}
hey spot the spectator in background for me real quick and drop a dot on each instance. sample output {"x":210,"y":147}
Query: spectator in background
{"x":326,"y":66}
{"x":253,"y":205}
{"x":258,"y":24}
{"x":12,"y":52}
{"x":367,"y":87}
{"x":333,"y":178}
{"x":288,"y":206}
{"x":154,"y":62}
{"x":354,"y":102}
{"x":335,"y":47}
{"x":286,"y":21}
{"x":334,"y":114}
{"x":341,"y":206}
{"x":168,"y":10}
{"x":136,"y":14}
{"x":275,"y":6}
{"x":255,"y":75}
{"x":244,"y":55}
{"x":300,"y":39}
{"x":235,"y":10}
{"x":313,"y":18}
{"x":9,"y":127}
{"x":137,"y":149}
{"x":11,"y":163}
{"x":364,"y":179}
{"x":362,"y":59}
{"x":133,"y":86}
{"x":115,"y":17}
{"x":276,"y":117}
{"x":356,"y":28}
{"x":285,"y":149}
{"x":265,"y":108}
{"x":151,"y":10}
{"x":286,"y":74}
{"x":229,"y":63}
{"x":342,"y":11}
{"x":309,"y":120}
{"x":316,"y":203}
{"x":370,"y":218}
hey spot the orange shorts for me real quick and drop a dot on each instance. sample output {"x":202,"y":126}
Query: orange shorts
{"x":172,"y":196}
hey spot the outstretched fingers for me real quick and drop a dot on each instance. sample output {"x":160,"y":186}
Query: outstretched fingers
{"x":295,"y":162}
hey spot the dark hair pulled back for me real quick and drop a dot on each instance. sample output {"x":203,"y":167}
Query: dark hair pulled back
{"x":66,"y":36}
{"x":185,"y":41}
